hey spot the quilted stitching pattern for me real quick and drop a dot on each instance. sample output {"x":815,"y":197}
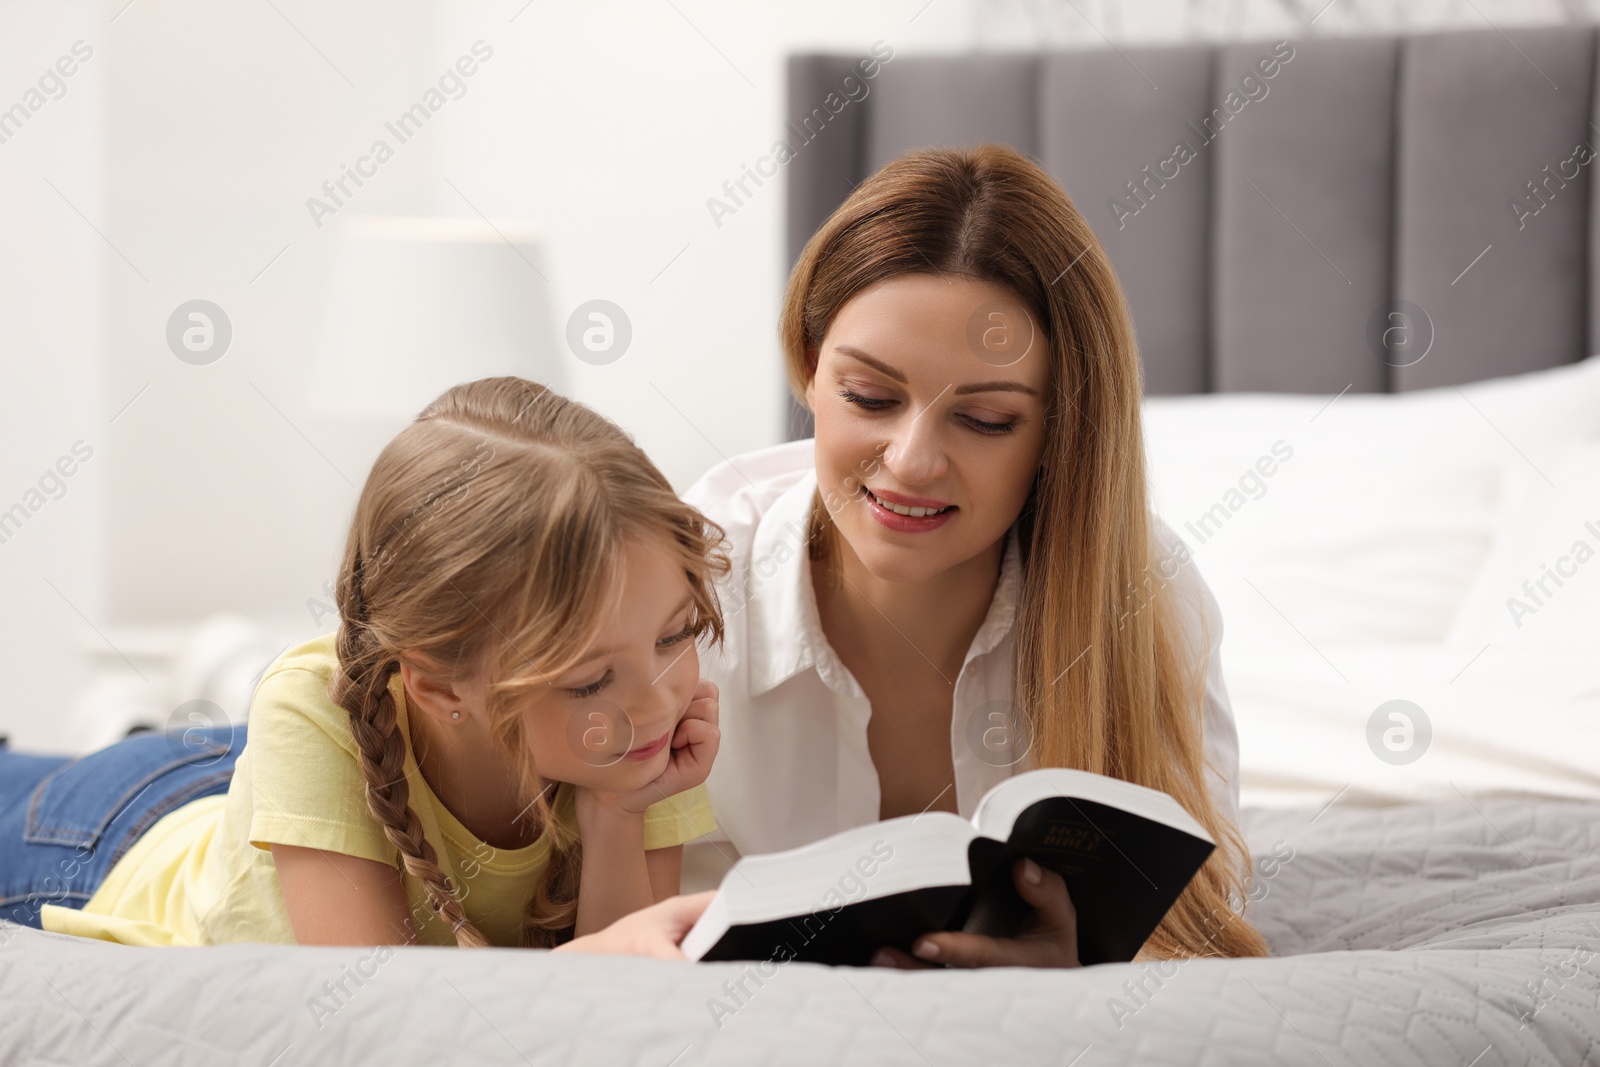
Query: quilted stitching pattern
{"x":1449,"y":934}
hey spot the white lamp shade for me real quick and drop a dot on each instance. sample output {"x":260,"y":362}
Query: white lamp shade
{"x":416,"y":305}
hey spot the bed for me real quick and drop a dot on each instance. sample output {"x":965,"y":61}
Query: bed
{"x":1449,"y":933}
{"x":1429,"y":884}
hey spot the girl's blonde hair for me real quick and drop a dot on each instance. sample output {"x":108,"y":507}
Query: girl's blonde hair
{"x":489,"y":536}
{"x":1105,"y":682}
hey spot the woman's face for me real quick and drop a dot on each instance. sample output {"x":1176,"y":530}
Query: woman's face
{"x":929,"y":399}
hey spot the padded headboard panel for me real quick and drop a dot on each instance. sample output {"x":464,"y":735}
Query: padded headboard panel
{"x":1450,"y":172}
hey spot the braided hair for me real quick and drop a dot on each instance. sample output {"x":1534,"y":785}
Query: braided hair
{"x":485,"y":537}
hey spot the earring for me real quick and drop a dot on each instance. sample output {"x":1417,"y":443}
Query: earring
{"x":455,"y":715}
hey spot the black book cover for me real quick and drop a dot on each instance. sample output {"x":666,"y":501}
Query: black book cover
{"x":847,"y":936}
{"x":1123,"y":873}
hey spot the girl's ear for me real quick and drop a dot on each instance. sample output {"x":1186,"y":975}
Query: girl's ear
{"x":432,"y":691}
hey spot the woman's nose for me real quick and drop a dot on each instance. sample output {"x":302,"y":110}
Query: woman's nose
{"x":915,"y":452}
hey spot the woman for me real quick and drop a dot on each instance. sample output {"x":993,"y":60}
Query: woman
{"x":959,"y":577}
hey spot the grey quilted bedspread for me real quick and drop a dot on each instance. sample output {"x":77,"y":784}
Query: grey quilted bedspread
{"x":1463,"y":934}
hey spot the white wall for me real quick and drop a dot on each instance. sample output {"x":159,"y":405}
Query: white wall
{"x":610,"y":126}
{"x":191,"y":141}
{"x":52,"y":390}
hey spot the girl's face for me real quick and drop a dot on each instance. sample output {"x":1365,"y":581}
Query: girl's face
{"x":929,"y":398}
{"x":607,"y":723}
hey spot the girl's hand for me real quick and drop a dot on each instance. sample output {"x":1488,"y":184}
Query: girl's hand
{"x":693,"y":747}
{"x":694,"y":744}
{"x":1049,"y":940}
{"x":654,"y":931}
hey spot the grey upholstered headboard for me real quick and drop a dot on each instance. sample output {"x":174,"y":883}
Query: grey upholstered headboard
{"x":1447,"y":172}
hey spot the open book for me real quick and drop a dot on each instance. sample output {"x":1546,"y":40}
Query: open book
{"x":1125,"y":851}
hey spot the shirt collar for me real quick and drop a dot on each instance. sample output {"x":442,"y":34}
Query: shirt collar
{"x":785,"y":626}
{"x":785,"y":629}
{"x":1003,"y":608}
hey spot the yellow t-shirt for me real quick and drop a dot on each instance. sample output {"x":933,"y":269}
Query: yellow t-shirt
{"x":203,"y":874}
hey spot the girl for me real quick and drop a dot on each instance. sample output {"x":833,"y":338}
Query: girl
{"x":504,"y":744}
{"x":959,"y":576}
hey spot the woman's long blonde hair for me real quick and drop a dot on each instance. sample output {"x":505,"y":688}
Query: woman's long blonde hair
{"x":489,"y":535}
{"x":1105,"y":680}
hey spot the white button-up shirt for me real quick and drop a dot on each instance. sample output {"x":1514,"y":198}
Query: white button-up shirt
{"x":794,"y":765}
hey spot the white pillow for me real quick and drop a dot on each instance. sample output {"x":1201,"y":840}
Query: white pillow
{"x":1360,"y":519}
{"x":1507,"y":719}
{"x":1541,"y":582}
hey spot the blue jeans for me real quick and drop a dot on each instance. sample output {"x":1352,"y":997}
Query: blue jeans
{"x":65,"y":821}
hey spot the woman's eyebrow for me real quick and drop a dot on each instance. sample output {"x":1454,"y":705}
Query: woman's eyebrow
{"x":1000,"y":386}
{"x":995,"y":387}
{"x":876,"y":364}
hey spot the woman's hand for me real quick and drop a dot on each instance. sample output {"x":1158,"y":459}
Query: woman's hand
{"x":1049,"y":940}
{"x":694,"y":746}
{"x":654,"y":931}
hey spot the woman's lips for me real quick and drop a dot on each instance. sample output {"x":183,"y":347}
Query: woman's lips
{"x":644,"y":752}
{"x":904,"y":501}
{"x":893,"y":520}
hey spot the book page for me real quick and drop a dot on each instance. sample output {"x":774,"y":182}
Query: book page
{"x":998,"y":810}
{"x":864,"y":863}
